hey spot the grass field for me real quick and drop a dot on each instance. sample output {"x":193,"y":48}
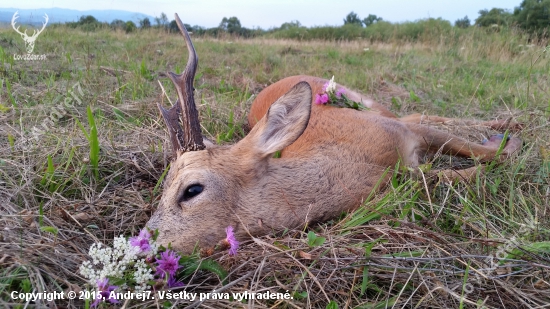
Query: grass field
{"x":424,"y":244}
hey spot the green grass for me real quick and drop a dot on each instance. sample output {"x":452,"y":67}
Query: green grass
{"x":93,"y":142}
{"x":97,"y":172}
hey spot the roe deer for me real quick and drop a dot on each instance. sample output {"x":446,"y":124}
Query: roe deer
{"x":330,"y":162}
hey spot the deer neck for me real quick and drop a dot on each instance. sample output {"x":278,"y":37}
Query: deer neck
{"x":293,"y":192}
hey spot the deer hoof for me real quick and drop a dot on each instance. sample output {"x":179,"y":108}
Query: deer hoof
{"x":513,"y":144}
{"x":494,"y":141}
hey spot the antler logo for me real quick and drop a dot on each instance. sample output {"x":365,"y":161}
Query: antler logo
{"x":29,"y":40}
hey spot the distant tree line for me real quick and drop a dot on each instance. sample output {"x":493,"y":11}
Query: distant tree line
{"x":231,"y":25}
{"x":353,"y":19}
{"x":90,"y":23}
{"x":532,"y":16}
{"x":86,"y":23}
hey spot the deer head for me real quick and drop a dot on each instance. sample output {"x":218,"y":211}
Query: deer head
{"x":210,"y":187}
{"x":29,"y":40}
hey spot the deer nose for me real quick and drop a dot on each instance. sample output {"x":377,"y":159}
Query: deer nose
{"x":153,"y":222}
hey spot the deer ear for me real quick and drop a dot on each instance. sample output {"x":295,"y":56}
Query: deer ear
{"x":208,"y":143}
{"x":284,"y":122}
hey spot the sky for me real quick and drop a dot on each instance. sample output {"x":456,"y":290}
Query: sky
{"x":272,"y":13}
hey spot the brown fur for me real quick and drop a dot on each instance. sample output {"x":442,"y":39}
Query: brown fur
{"x":331,"y":160}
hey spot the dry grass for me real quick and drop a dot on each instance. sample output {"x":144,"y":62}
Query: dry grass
{"x":418,"y":244}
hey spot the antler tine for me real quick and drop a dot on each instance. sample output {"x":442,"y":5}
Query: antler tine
{"x":44,"y":23}
{"x":171,"y":119}
{"x":192,"y":137}
{"x":36,"y":32}
{"x":14,"y":17}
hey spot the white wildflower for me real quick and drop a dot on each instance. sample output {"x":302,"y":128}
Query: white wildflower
{"x":114,"y":261}
{"x":331,"y":86}
{"x":142,"y":275}
{"x":154,"y":249}
{"x":124,"y":259}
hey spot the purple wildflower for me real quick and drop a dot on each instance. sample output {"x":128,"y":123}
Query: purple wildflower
{"x":173,"y":283}
{"x":339,"y":92}
{"x":142,"y":241}
{"x":230,"y":238}
{"x":321,"y":98}
{"x":105,"y":290}
{"x":167,"y":264}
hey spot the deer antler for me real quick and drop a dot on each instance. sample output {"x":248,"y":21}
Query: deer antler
{"x":15,"y":16}
{"x":187,"y":137}
{"x":34,"y":34}
{"x":43,"y":26}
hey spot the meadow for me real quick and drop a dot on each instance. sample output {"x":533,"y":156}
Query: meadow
{"x":95,"y":170}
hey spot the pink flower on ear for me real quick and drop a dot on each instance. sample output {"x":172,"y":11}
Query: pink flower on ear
{"x":230,"y":238}
{"x":339,"y":92}
{"x":321,"y":98}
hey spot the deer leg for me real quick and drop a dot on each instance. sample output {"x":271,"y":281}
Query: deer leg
{"x":499,"y":125}
{"x":468,"y":174}
{"x":433,"y":140}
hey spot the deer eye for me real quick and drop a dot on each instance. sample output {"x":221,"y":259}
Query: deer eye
{"x":192,"y":191}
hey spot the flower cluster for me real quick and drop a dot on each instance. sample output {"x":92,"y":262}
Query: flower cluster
{"x":125,"y":262}
{"x":329,"y":92}
{"x":114,"y":260}
{"x":136,"y":264}
{"x":335,"y":97}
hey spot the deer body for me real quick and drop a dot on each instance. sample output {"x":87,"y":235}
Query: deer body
{"x":331,"y":160}
{"x":343,"y":133}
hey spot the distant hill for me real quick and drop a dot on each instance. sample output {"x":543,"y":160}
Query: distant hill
{"x":58,"y":15}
